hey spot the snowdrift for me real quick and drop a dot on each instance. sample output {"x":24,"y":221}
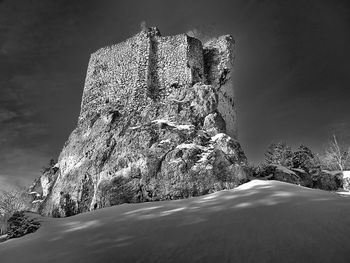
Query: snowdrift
{"x":261,"y":221}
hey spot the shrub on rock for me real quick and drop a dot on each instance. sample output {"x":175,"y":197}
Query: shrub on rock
{"x":327,"y":180}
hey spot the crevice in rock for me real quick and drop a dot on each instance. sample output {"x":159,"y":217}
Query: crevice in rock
{"x":223,"y":76}
{"x":87,"y":191}
{"x":153,"y":84}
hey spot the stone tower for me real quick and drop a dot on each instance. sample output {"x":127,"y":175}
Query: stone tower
{"x":157,"y":122}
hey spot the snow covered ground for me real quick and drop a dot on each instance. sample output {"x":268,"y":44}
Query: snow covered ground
{"x":261,"y":221}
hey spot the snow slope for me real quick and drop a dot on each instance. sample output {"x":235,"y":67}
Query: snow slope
{"x":261,"y":221}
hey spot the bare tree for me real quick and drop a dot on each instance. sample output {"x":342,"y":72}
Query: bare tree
{"x":337,"y":155}
{"x":11,"y":201}
{"x":3,"y":225}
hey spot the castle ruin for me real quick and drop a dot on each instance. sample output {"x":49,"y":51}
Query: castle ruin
{"x":152,"y":66}
{"x":157,"y":122}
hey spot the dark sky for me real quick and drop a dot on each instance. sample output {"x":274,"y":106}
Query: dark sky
{"x":292,"y":68}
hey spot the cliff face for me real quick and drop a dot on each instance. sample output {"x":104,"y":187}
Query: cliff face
{"x":157,"y":122}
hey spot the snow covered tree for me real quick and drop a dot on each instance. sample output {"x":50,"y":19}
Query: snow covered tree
{"x":279,"y":154}
{"x":305,"y":159}
{"x":19,"y":225}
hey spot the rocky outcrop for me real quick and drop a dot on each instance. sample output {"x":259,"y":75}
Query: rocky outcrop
{"x":305,"y":179}
{"x":284,"y":174}
{"x":281,"y":173}
{"x":157,"y":122}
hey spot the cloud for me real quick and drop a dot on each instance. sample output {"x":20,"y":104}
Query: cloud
{"x":143,"y":25}
{"x":19,"y":166}
{"x":341,"y":129}
{"x":6,"y":115}
{"x":18,"y":118}
{"x":8,"y":182}
{"x":21,"y":134}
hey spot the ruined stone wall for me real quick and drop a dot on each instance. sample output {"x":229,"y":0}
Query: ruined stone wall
{"x":114,"y":73}
{"x":146,"y":64}
{"x":195,"y":59}
{"x":218,"y":69}
{"x":175,"y":58}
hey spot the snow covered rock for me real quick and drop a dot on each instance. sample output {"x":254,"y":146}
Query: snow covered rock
{"x":346,"y":180}
{"x":284,"y":174}
{"x":3,"y":238}
{"x":157,"y":122}
{"x":305,"y":179}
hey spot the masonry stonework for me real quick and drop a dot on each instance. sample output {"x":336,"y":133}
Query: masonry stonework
{"x":147,"y":64}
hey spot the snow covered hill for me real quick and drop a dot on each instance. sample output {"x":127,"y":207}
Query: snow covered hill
{"x":261,"y":221}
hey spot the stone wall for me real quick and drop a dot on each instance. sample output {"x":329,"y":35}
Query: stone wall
{"x":112,"y":71}
{"x":218,"y":67}
{"x":147,"y":64}
{"x":177,"y":60}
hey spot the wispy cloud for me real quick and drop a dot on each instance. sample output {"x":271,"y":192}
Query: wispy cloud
{"x":341,"y":129}
{"x":8,"y":182}
{"x":19,"y":166}
{"x":6,"y":115}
